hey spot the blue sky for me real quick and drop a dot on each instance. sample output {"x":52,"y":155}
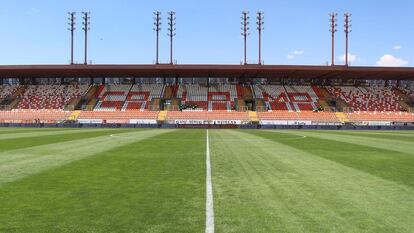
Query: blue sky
{"x":296,"y":31}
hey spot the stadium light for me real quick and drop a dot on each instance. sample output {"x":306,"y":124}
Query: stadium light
{"x":333,"y":25}
{"x":347,"y":30}
{"x":171,"y":32}
{"x":245,"y":32}
{"x":72,"y":23}
{"x":157,"y":29}
{"x":260,"y":28}
{"x":86,"y":27}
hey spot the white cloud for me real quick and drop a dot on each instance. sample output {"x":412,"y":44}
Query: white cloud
{"x":351,"y":58}
{"x":290,"y":56}
{"x":397,"y":47}
{"x":390,"y":60}
{"x":298,"y":52}
{"x":294,"y":54}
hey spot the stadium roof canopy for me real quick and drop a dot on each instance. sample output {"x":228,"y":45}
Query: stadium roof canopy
{"x":237,"y":71}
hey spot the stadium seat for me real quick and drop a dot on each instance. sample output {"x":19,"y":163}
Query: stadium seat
{"x":49,"y":96}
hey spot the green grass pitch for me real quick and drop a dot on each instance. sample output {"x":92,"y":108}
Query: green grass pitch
{"x":154,"y":180}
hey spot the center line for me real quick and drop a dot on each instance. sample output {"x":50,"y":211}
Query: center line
{"x":209,"y":192}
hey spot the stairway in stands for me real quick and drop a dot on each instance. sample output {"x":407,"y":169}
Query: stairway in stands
{"x":342,"y":117}
{"x":405,"y":100}
{"x":324,"y":97}
{"x":168,"y":92}
{"x":260,"y":105}
{"x":253,"y":117}
{"x":90,"y":99}
{"x":15,"y":98}
{"x":74,"y":116}
{"x":162,"y":116}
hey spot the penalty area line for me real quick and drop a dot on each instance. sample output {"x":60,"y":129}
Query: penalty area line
{"x":209,"y":191}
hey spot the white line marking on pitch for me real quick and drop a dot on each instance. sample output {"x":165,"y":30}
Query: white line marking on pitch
{"x":209,"y":192}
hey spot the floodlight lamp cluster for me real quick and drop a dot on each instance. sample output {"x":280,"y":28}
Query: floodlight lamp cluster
{"x":72,"y":21}
{"x":245,"y":31}
{"x":245,"y":23}
{"x":348,"y":23}
{"x":157,"y":21}
{"x":86,"y":21}
{"x":333,"y":29}
{"x":171,"y":24}
{"x":259,"y":22}
{"x":333,"y":22}
{"x":85,"y":27}
{"x":170,"y":32}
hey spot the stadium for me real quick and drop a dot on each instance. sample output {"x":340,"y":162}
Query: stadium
{"x":170,"y":147}
{"x":165,"y":95}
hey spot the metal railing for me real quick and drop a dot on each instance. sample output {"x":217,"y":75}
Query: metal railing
{"x":5,"y":107}
{"x":172,"y":107}
{"x":69,"y":107}
{"x":261,"y":109}
{"x":87,"y":107}
{"x":242,"y":109}
{"x":154,"y":108}
{"x":348,"y":109}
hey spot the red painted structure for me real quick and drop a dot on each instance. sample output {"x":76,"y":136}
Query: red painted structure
{"x":208,"y":70}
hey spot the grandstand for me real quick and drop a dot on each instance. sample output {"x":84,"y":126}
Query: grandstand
{"x":231,"y":95}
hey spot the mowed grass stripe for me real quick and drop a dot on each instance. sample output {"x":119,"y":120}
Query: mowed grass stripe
{"x":269,"y":186}
{"x":20,"y":163}
{"x":396,"y":136}
{"x":42,"y":132}
{"x":386,"y":144}
{"x":388,"y":164}
{"x":8,"y":130}
{"x":254,"y":194}
{"x":61,"y":136}
{"x":141,"y":186}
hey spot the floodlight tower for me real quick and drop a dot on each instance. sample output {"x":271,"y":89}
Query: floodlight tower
{"x":86,"y":23}
{"x":171,"y":32}
{"x":347,"y":30}
{"x":72,"y":23}
{"x":245,"y":31}
{"x":260,"y":28}
{"x":157,"y":29}
{"x":332,"y":29}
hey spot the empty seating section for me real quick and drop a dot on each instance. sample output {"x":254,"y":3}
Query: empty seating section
{"x":127,"y":97}
{"x":194,"y":94}
{"x":187,"y":115}
{"x":140,"y":96}
{"x":218,"y":115}
{"x":381,"y":116}
{"x":373,"y":98}
{"x":408,"y":90}
{"x":112,"y":97}
{"x":274,"y":96}
{"x":318,"y":117}
{"x":118,"y":116}
{"x":49,"y":96}
{"x":303,"y":94}
{"x":222,"y":96}
{"x":303,"y":98}
{"x":7,"y":90}
{"x":127,"y":103}
{"x":34,"y":116}
{"x":291,"y":98}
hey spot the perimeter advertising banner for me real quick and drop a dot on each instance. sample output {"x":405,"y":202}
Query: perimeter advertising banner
{"x":131,"y":121}
{"x":207,"y":122}
{"x":275,"y":122}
